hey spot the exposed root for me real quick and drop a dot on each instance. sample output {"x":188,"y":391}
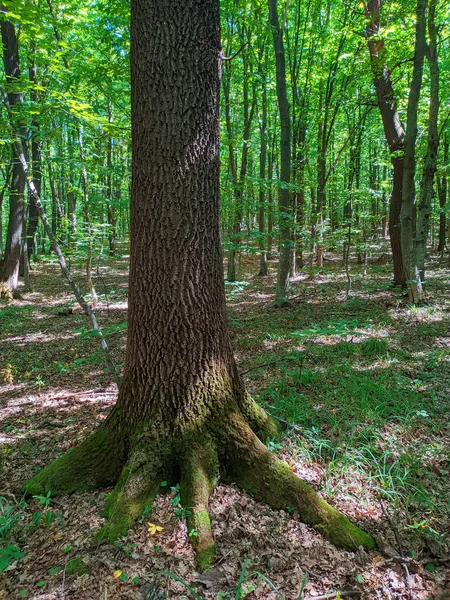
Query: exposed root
{"x":256,"y":470}
{"x":95,"y":463}
{"x":243,"y":458}
{"x":199,"y":475}
{"x":136,"y":489}
{"x":261,"y":423}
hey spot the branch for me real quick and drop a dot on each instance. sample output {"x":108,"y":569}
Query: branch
{"x":336,"y":595}
{"x":224,"y":58}
{"x":401,"y":62}
{"x":18,"y":146}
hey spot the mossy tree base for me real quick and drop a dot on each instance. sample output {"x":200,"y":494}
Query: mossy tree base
{"x":227,"y":447}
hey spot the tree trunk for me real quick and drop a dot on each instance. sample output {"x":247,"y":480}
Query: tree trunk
{"x":393,"y":130}
{"x":429,"y":168}
{"x":284,"y":195}
{"x":411,"y":270}
{"x":9,"y":276}
{"x":87,"y":219}
{"x":182,"y":410}
{"x":442,"y":193}
{"x":111,"y":209}
{"x":262,"y":173}
{"x":36,"y":159}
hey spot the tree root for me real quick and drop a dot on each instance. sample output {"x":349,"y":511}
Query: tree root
{"x":228,"y":445}
{"x":199,"y":475}
{"x":96,"y":463}
{"x":136,"y":489}
{"x":255,"y":469}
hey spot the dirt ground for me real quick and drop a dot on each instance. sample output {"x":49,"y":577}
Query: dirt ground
{"x":361,"y":383}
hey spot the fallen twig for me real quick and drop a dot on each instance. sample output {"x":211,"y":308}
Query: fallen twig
{"x":268,"y":364}
{"x":336,"y":595}
{"x":404,"y":561}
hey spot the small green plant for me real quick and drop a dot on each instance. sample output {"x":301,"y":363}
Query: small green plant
{"x":10,"y":513}
{"x":9,"y":554}
{"x":44,"y":500}
{"x":77,"y":566}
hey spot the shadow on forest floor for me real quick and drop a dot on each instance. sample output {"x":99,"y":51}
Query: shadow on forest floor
{"x":361,"y":383}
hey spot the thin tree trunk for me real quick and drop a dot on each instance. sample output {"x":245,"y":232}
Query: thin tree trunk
{"x":413,"y":279}
{"x":36,"y":159}
{"x":393,"y":129}
{"x":442,"y":193}
{"x":87,"y":219}
{"x":262,"y":175}
{"x":284,"y":194}
{"x":429,"y":168}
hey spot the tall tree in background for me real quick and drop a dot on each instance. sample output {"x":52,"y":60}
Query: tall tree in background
{"x":182,"y":409}
{"x":393,"y":128}
{"x":9,"y":275}
{"x":408,"y":212}
{"x":427,"y":191}
{"x":284,"y":194}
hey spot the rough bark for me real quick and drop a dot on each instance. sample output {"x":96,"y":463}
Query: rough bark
{"x":182,"y":412}
{"x":393,"y":129}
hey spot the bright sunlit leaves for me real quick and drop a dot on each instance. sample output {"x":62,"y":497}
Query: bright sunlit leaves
{"x":154,"y":529}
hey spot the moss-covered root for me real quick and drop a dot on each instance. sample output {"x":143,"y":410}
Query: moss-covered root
{"x":258,"y":471}
{"x":136,"y":489}
{"x":198,"y":476}
{"x":261,"y":423}
{"x":95,"y":463}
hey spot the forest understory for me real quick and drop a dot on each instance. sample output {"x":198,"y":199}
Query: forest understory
{"x":360,"y":384}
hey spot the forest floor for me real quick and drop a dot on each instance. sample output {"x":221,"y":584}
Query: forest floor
{"x":364,"y":383}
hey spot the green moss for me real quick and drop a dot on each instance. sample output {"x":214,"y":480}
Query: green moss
{"x":77,"y":566}
{"x":91,"y":465}
{"x":137,"y":487}
{"x":258,"y":471}
{"x":261,"y":423}
{"x":206,"y":557}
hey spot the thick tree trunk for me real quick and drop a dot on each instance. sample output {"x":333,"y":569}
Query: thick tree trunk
{"x":182,"y":411}
{"x":393,"y":130}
